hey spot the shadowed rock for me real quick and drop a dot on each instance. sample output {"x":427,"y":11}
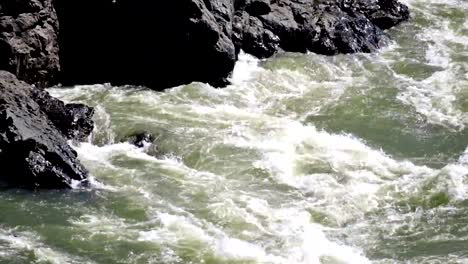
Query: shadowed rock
{"x":155,"y":43}
{"x":167,"y":43}
{"x":73,"y":120}
{"x":320,"y":26}
{"x":33,"y":152}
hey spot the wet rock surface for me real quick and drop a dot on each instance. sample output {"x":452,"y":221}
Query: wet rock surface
{"x":73,"y":120}
{"x":324,"y":27}
{"x":33,"y":152}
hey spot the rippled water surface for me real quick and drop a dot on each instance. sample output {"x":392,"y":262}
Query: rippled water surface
{"x":304,"y":159}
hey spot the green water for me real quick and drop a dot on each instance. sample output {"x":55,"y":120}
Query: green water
{"x":304,"y":159}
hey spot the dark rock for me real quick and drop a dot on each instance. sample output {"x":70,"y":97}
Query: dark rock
{"x":258,"y":7}
{"x":385,"y":13}
{"x":254,"y":38}
{"x":155,"y":43}
{"x":329,"y":30}
{"x":167,"y":43}
{"x":282,"y":23}
{"x":73,"y":120}
{"x":141,"y":139}
{"x":240,"y":4}
{"x":28,"y":40}
{"x":162,"y":44}
{"x":33,"y":153}
{"x":321,"y":26}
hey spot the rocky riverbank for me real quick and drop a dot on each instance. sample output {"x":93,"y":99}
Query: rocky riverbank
{"x":158,"y":44}
{"x":162,"y":44}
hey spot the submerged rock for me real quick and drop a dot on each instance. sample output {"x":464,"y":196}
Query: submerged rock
{"x":33,"y":152}
{"x":141,"y":139}
{"x":28,"y":40}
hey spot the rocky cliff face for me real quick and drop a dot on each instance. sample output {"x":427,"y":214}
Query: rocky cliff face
{"x":28,"y":40}
{"x":166,"y":43}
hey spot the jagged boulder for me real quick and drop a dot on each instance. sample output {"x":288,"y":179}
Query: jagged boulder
{"x":29,"y":40}
{"x":320,"y":26}
{"x":33,"y":152}
{"x":73,"y":120}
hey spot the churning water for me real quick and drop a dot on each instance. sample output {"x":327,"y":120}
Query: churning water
{"x":303,"y":159}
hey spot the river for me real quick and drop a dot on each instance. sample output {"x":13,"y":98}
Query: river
{"x":304,"y":159}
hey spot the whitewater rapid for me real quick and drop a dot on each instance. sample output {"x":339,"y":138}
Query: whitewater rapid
{"x":303,"y":159}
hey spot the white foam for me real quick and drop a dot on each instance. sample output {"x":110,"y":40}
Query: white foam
{"x":430,"y":3}
{"x":245,"y":69}
{"x":104,"y":154}
{"x":345,"y":191}
{"x":24,"y":241}
{"x":337,"y":176}
{"x":435,"y":97}
{"x":103,"y":126}
{"x":438,"y":56}
{"x":95,"y":184}
{"x":69,"y":94}
{"x":232,"y":248}
{"x":305,"y":242}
